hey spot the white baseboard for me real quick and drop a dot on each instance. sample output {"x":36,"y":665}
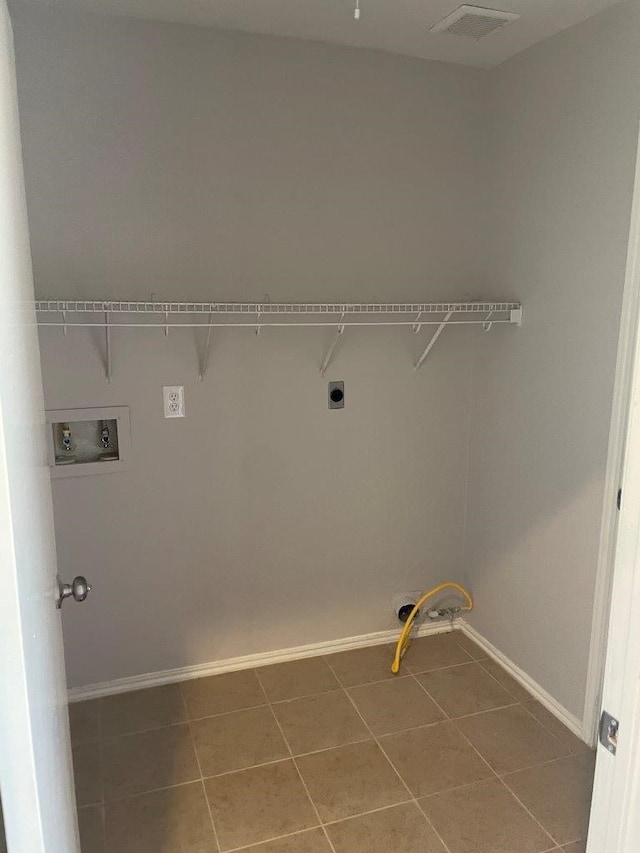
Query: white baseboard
{"x":183,"y":673}
{"x":537,"y":692}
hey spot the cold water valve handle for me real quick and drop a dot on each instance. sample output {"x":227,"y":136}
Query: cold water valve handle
{"x":105,"y":438}
{"x":66,"y":438}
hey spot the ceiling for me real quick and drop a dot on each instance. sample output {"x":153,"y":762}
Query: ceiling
{"x":397,"y":26}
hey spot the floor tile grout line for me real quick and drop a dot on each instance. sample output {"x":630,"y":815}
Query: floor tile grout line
{"x":203,"y":786}
{"x":524,"y":704}
{"x":249,"y":767}
{"x":455,"y":666}
{"x":496,"y":776}
{"x":475,"y":749}
{"x":313,"y":805}
{"x":509,"y":691}
{"x":485,"y":711}
{"x":530,"y":813}
{"x":410,"y":728}
{"x":401,"y":731}
{"x":447,"y":718}
{"x":455,"y":720}
{"x":377,"y":742}
{"x":501,"y":778}
{"x":247,"y":848}
{"x":471,"y":653}
{"x":153,"y":729}
{"x":144,"y":793}
{"x":409,"y":791}
{"x":515,"y":795}
{"x":408,"y":802}
{"x":295,"y":763}
{"x":337,"y":689}
{"x":548,"y":729}
{"x":103,"y":809}
{"x":436,"y":668}
{"x":407,"y":674}
{"x":285,"y":758}
{"x":457,"y":728}
{"x":100,"y":719}
{"x":540,"y":764}
{"x":457,"y":788}
{"x":188,"y":719}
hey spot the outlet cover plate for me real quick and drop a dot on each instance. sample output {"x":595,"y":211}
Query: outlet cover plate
{"x":173,"y":400}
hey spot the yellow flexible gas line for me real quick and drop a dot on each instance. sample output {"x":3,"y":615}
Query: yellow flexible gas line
{"x":403,"y":642}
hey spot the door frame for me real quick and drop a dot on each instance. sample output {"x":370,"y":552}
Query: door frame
{"x":615,"y":808}
{"x":36,"y":772}
{"x":622,"y":390}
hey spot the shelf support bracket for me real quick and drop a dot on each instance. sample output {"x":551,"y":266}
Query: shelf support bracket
{"x":417,"y":325}
{"x":515,"y":316}
{"x":64,"y":323}
{"x":328,"y":356}
{"x":431,"y":343}
{"x":107,"y":340}
{"x":204,"y":359}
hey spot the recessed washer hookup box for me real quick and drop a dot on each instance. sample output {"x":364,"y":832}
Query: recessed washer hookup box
{"x":88,"y":441}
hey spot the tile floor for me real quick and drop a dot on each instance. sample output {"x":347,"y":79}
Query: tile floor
{"x":333,"y":755}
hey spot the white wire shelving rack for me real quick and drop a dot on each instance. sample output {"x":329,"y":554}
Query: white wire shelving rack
{"x":110,"y":315}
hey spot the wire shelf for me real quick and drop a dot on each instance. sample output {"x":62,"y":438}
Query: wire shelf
{"x":271,"y":308}
{"x":213,"y":315}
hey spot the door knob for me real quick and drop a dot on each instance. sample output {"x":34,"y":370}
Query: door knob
{"x":78,"y":588}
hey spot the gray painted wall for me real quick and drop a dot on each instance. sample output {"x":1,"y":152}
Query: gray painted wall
{"x":561,"y":139}
{"x":197,"y":164}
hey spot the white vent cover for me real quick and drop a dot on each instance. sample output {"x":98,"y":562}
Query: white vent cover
{"x":474,"y":22}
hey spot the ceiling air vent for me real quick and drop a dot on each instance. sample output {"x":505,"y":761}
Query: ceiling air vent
{"x":474,"y":22}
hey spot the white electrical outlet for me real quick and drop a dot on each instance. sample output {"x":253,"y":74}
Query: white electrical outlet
{"x":173,"y":397}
